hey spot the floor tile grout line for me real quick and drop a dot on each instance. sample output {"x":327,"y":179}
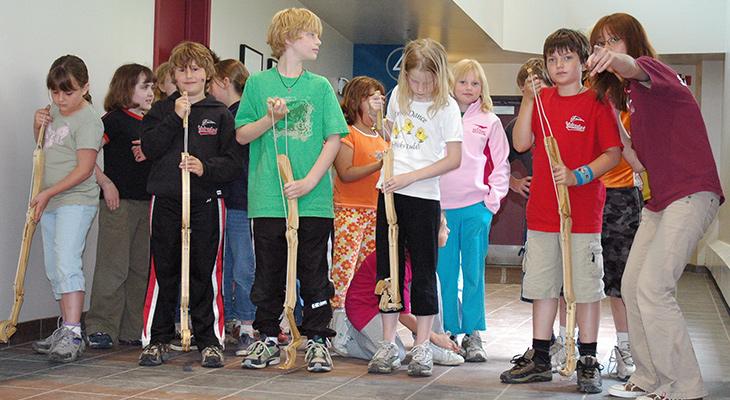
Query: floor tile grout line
{"x":259,"y":383}
{"x":717,"y":309}
{"x":429,"y":383}
{"x":339,"y":386}
{"x":507,"y":334}
{"x":509,"y":385}
{"x":59,"y":389}
{"x":77,"y":363}
{"x":502,"y":306}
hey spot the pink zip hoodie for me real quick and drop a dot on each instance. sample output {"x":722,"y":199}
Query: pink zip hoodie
{"x":484,"y":148}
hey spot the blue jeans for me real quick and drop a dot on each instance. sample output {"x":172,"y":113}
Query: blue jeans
{"x":64,"y":232}
{"x":238,"y":267}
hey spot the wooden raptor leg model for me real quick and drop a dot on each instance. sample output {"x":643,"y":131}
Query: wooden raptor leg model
{"x":387,"y":289}
{"x":292,"y":243}
{"x":185,"y":259}
{"x":8,"y":327}
{"x":566,"y":224}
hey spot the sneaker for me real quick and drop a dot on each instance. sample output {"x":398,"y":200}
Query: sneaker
{"x":558,"y":354}
{"x":589,"y":375}
{"x":154,"y":354}
{"x":443,"y":356}
{"x":473,"y":348}
{"x":67,"y":348}
{"x":385,"y":360}
{"x":176,"y":344}
{"x":626,"y":390}
{"x":621,"y":364}
{"x":100,"y":340}
{"x":43,"y":346}
{"x":526,"y":370}
{"x":244,"y":343}
{"x":261,"y":354}
{"x":421,"y":361}
{"x":318,"y":357}
{"x":212,"y":357}
{"x":130,"y":342}
{"x":654,"y":396}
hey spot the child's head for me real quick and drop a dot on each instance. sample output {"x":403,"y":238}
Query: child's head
{"x":424,"y":75}
{"x":68,"y":81}
{"x":565,"y":53}
{"x":164,"y":85}
{"x":289,"y":25}
{"x":470,"y":83}
{"x":622,"y":33}
{"x":130,"y":88}
{"x":355,"y":98}
{"x":537,"y":65}
{"x":229,"y":74}
{"x":192,"y":67}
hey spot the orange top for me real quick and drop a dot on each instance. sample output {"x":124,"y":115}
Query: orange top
{"x":621,"y":176}
{"x":362,"y":192}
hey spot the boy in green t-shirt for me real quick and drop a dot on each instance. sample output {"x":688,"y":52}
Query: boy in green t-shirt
{"x":288,"y":110}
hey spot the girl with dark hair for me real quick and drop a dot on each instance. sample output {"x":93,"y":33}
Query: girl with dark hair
{"x":670,"y":139}
{"x":69,"y":195}
{"x":120,"y":277}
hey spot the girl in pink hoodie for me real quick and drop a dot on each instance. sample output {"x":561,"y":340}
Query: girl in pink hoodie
{"x":470,"y":196}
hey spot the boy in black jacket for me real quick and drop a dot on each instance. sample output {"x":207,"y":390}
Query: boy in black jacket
{"x":215,"y":158}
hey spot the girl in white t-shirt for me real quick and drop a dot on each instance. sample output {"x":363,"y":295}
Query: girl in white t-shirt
{"x":425,"y":131}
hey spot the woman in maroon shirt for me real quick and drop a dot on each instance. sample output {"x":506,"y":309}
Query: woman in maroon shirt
{"x":670,"y":139}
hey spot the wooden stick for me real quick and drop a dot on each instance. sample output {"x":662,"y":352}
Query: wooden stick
{"x":9,"y":327}
{"x":388,"y":289}
{"x":185,"y":232}
{"x":292,"y":243}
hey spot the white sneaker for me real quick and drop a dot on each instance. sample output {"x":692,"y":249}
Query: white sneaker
{"x":385,"y":360}
{"x":421,"y":361}
{"x":626,"y":390}
{"x":443,"y":356}
{"x":621,"y":364}
{"x":558,"y":354}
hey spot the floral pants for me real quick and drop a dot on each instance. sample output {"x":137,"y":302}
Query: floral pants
{"x":354,"y":240}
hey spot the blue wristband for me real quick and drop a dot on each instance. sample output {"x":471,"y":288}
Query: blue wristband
{"x":583,"y":175}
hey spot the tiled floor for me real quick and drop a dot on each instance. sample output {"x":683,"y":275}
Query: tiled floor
{"x":115,"y":375}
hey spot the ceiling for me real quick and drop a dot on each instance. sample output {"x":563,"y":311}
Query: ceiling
{"x":397,"y":21}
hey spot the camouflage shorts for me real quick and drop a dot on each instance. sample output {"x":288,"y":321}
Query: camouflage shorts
{"x":621,"y":217}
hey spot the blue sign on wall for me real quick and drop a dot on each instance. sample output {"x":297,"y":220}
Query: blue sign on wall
{"x":381,"y":62}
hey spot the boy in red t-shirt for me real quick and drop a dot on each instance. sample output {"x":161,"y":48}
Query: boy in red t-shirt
{"x":587,"y":135}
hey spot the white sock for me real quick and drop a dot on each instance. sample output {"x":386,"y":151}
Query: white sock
{"x":246,"y":329}
{"x":272,"y":340}
{"x":75,"y":328}
{"x":622,"y":340}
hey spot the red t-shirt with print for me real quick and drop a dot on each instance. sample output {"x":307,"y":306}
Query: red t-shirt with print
{"x":584,"y":128}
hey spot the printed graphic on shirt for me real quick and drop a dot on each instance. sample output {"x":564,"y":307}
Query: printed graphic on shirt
{"x":207,"y":128}
{"x":576,"y":124}
{"x":408,"y":136}
{"x":55,"y":136}
{"x":298,"y":122}
{"x":480,"y":130}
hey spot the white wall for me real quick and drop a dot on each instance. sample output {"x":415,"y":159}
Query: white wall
{"x":236,"y":22}
{"x":34,"y":33}
{"x":676,"y":27}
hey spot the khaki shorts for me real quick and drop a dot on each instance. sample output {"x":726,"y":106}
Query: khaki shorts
{"x":542,"y":266}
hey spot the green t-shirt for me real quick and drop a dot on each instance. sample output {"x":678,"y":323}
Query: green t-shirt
{"x":314,"y":114}
{"x":81,"y":130}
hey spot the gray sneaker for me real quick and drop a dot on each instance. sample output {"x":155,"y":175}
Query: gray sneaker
{"x":421,"y":360}
{"x":242,"y":345}
{"x":43,"y":346}
{"x":621,"y":365}
{"x":473,"y":348}
{"x":589,"y":375}
{"x":385,"y":360}
{"x":318,"y":357}
{"x":261,"y":354}
{"x":67,"y":348}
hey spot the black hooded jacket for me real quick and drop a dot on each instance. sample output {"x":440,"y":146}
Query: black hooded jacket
{"x":211,"y":139}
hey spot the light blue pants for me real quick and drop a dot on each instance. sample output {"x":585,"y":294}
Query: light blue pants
{"x":64,"y":232}
{"x":465,"y":252}
{"x":238,"y":267}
